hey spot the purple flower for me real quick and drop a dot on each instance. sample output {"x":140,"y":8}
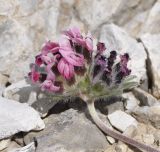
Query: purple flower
{"x":101,"y":47}
{"x":48,"y":85}
{"x":74,"y":35}
{"x":89,"y":42}
{"x":65,"y":68}
{"x":50,"y":47}
{"x":69,"y":55}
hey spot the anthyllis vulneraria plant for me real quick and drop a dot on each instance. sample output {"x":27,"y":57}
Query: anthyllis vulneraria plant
{"x":72,"y":68}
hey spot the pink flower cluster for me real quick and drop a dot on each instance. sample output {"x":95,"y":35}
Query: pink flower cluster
{"x":60,"y":58}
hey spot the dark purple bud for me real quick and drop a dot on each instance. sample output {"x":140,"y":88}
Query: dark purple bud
{"x":124,"y":58}
{"x":122,"y":69}
{"x":107,"y":77}
{"x":101,"y":47}
{"x":100,"y":63}
{"x":113,"y":54}
{"x":111,"y":59}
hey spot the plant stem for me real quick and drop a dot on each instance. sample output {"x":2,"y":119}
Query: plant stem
{"x":113,"y":134}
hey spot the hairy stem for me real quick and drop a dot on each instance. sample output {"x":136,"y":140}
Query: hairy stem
{"x":115,"y":135}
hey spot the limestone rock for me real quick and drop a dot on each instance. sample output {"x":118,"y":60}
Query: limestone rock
{"x":95,"y":17}
{"x":28,"y":148}
{"x":152,"y":22}
{"x":24,"y":92}
{"x":69,"y":131}
{"x":148,"y":139}
{"x":4,"y":144}
{"x":131,"y":101}
{"x":148,"y":115}
{"x":16,"y":117}
{"x":145,"y":98}
{"x":3,"y":82}
{"x":121,"y":120}
{"x":136,"y":24}
{"x":151,"y":43}
{"x":116,"y":38}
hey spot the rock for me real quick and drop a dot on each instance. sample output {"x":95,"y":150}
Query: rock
{"x":136,"y":24}
{"x":110,"y":105}
{"x":3,"y":82}
{"x":131,"y":101}
{"x":130,"y":131}
{"x":145,"y":98}
{"x":29,"y":148}
{"x":121,"y":148}
{"x":111,"y":140}
{"x":116,"y":38}
{"x":69,"y":131}
{"x":96,"y":17}
{"x":152,"y":22}
{"x":118,"y":118}
{"x":148,"y":115}
{"x":4,"y":143}
{"x":12,"y":146}
{"x":17,"y":117}
{"x":129,"y":9}
{"x":148,"y":139}
{"x":24,"y":92}
{"x":23,"y":33}
{"x":151,"y":43}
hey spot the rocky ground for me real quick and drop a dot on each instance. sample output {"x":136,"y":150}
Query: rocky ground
{"x":30,"y":122}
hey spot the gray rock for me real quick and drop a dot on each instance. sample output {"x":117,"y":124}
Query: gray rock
{"x":116,"y":38}
{"x":118,"y":118}
{"x":69,"y":131}
{"x":136,"y":24}
{"x":148,"y":115}
{"x":3,"y":82}
{"x":17,"y":117}
{"x":28,"y":148}
{"x":95,"y":17}
{"x":131,"y":101}
{"x":4,"y":143}
{"x":24,"y":92}
{"x":148,"y":139}
{"x":12,"y":146}
{"x":151,"y":24}
{"x":145,"y":98}
{"x":152,"y":45}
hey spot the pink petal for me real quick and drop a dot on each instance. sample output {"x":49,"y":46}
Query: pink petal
{"x":46,"y":59}
{"x":75,"y":31}
{"x":49,"y":86}
{"x":50,"y":47}
{"x":72,"y":32}
{"x":89,"y":42}
{"x":73,"y":58}
{"x":64,"y":43}
{"x":51,"y":76}
{"x":61,"y":66}
{"x":65,"y":68}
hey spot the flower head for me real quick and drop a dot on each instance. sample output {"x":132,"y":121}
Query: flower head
{"x":72,"y":57}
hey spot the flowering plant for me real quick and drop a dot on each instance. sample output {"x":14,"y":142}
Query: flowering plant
{"x":72,"y":68}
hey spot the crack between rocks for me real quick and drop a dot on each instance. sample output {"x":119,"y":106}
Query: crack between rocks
{"x":149,"y":70}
